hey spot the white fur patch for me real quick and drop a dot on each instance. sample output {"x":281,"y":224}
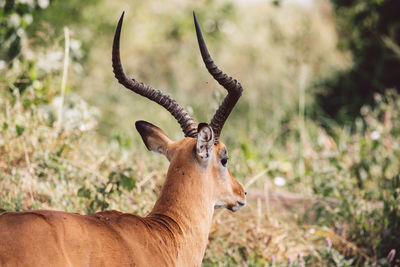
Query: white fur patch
{"x":219,"y":205}
{"x":205,"y":142}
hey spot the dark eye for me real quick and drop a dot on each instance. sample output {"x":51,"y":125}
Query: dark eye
{"x":224,"y":161}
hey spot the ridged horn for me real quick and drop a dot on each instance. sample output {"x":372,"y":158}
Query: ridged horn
{"x":233,"y":87}
{"x":187,"y":124}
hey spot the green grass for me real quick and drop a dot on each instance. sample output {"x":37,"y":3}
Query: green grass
{"x":341,"y":183}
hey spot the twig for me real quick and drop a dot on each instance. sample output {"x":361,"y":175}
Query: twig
{"x":30,"y":172}
{"x":291,"y":199}
{"x":255,"y":178}
{"x":143,"y":181}
{"x":303,"y":75}
{"x":64,"y":77}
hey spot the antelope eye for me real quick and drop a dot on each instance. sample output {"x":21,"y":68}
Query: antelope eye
{"x":224,"y":161}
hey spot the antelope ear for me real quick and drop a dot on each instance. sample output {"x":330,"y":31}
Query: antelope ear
{"x":153,"y":137}
{"x":205,"y":142}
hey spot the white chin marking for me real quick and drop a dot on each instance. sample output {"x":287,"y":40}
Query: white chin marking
{"x":236,"y":208}
{"x":219,"y":205}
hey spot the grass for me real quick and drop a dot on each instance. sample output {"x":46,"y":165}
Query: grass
{"x":318,"y":196}
{"x":78,"y":171}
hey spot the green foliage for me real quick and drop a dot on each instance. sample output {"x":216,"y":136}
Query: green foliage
{"x":17,"y":68}
{"x":15,"y":17}
{"x":99,"y":199}
{"x":363,"y":177}
{"x":28,"y":73}
{"x":390,"y":237}
{"x":74,"y":14}
{"x":351,"y":176}
{"x":370,"y":31}
{"x":19,"y":129}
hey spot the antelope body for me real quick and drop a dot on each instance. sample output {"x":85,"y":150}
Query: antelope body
{"x":175,"y":233}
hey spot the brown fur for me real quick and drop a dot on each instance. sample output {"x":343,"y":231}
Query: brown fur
{"x":175,"y":233}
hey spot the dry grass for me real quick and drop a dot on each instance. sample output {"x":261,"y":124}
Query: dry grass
{"x":277,"y":53}
{"x":44,"y":169}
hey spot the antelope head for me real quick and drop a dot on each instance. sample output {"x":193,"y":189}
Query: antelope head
{"x":200,"y":153}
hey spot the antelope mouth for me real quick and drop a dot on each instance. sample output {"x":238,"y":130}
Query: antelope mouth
{"x":238,"y":206}
{"x":241,"y":203}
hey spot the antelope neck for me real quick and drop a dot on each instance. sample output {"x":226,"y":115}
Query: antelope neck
{"x":185,"y":209}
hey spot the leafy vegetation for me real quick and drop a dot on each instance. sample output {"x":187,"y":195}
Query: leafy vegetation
{"x":370,"y":31}
{"x":317,"y":197}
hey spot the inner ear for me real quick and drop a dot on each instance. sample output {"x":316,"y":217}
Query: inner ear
{"x":153,"y":137}
{"x":205,"y":142}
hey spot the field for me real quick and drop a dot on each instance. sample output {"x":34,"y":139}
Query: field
{"x":320,"y":193}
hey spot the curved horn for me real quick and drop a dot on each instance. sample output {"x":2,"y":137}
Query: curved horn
{"x":233,"y":87}
{"x":187,"y":124}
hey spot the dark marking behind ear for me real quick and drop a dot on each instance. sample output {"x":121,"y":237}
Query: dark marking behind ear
{"x":201,"y":125}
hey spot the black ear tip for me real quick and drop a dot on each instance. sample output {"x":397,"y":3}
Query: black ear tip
{"x":144,"y":127}
{"x":140,"y":124}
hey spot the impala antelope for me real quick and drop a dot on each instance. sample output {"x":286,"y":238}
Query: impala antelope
{"x":175,"y":233}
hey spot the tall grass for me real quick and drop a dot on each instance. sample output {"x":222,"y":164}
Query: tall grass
{"x":317,"y":196}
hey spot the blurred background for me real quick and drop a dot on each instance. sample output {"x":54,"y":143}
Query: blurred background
{"x":315,"y":137}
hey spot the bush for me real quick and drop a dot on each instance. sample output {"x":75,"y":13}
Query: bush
{"x":370,"y":31}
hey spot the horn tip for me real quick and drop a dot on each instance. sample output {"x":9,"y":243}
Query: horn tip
{"x":122,"y":16}
{"x":196,"y":23}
